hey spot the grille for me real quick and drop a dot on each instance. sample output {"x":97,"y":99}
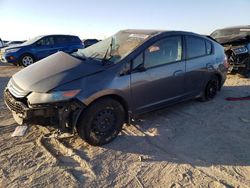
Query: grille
{"x":13,"y":104}
{"x":15,"y":90}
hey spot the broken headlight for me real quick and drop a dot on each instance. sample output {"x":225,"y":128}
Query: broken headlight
{"x":57,"y":96}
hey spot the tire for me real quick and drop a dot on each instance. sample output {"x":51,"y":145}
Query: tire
{"x":210,"y":90}
{"x":101,"y":122}
{"x":27,"y":60}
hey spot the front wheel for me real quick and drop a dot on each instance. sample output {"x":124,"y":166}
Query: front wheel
{"x":26,"y":60}
{"x":101,"y":122}
{"x":211,"y":89}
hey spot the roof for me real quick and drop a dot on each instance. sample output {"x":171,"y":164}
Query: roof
{"x":155,"y":32}
{"x":57,"y":35}
{"x":143,"y":31}
{"x":237,"y":27}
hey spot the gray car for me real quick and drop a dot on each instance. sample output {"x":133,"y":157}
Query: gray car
{"x":98,"y":89}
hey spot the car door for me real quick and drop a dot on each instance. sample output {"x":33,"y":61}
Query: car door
{"x":44,"y":47}
{"x":157,"y":76}
{"x":199,"y":60}
{"x":62,"y":43}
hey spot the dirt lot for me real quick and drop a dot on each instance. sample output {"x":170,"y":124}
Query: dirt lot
{"x":191,"y":144}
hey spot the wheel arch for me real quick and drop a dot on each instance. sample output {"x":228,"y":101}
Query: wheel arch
{"x":23,"y":54}
{"x":116,"y":97}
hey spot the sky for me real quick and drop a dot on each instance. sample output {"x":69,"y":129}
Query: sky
{"x":25,"y":19}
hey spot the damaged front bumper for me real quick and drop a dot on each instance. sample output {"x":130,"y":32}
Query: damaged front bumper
{"x":63,"y":114}
{"x":238,"y":58}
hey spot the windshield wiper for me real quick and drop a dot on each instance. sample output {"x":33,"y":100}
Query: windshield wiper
{"x":104,"y":60}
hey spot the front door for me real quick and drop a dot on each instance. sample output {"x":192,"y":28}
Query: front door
{"x":45,"y":47}
{"x":158,"y":75}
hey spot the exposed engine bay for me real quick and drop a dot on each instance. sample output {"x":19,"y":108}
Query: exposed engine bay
{"x":236,"y":42}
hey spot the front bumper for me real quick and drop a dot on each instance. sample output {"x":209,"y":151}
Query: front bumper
{"x":8,"y":58}
{"x":63,"y":114}
{"x":238,"y":61}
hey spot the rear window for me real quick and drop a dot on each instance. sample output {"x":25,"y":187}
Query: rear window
{"x":196,"y":47}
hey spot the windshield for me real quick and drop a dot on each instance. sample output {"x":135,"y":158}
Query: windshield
{"x":113,"y":48}
{"x":230,"y":32}
{"x":31,"y":41}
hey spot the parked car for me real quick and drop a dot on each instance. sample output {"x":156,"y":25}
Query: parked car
{"x":1,"y":43}
{"x":236,"y":41}
{"x":89,"y":42}
{"x":5,"y":41}
{"x":12,"y":43}
{"x":99,"y":88}
{"x":40,"y":47}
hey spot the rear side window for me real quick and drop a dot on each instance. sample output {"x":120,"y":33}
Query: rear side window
{"x":196,"y":47}
{"x":61,"y":39}
{"x":209,"y":48}
{"x":73,"y":39}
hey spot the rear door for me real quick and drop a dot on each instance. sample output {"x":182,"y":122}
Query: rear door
{"x":76,"y":43}
{"x":158,"y":75}
{"x":199,"y":63}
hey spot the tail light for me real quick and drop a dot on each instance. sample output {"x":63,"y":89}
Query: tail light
{"x":225,"y":62}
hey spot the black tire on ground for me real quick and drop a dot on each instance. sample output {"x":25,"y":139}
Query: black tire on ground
{"x":211,"y":89}
{"x":101,"y":122}
{"x":26,"y":60}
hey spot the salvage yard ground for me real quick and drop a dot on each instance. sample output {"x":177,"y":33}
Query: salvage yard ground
{"x":192,"y":144}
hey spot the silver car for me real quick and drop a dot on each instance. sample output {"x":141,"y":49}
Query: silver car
{"x":98,"y":89}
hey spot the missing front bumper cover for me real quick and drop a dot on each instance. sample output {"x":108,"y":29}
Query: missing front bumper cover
{"x":63,"y":115}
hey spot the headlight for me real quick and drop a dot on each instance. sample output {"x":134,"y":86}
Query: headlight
{"x":12,"y":50}
{"x":40,"y":98}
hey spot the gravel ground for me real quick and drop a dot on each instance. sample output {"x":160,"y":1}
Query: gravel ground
{"x":191,"y":144}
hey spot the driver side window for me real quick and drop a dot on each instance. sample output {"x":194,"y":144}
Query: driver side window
{"x":164,"y":51}
{"x":138,"y":61}
{"x":47,"y":41}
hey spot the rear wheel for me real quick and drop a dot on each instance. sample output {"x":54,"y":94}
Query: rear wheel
{"x":101,"y":122}
{"x":26,"y":60}
{"x":211,"y":89}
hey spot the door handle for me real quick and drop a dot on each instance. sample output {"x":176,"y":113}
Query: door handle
{"x":178,"y":73}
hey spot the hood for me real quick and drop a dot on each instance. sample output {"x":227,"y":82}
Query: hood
{"x":53,"y":71}
{"x":234,"y":39}
{"x":14,"y":46}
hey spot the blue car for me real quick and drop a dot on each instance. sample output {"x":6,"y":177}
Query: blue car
{"x":38,"y":48}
